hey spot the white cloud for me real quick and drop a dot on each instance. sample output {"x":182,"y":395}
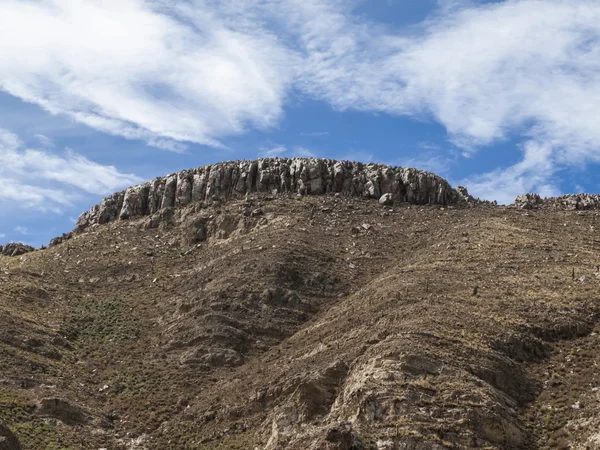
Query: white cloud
{"x":44,"y":141}
{"x":34,"y":196}
{"x":2,"y":235}
{"x":9,"y":141}
{"x":22,"y":230}
{"x":303,"y":152}
{"x":532,"y":173}
{"x":429,"y":146}
{"x":525,"y":69}
{"x":282,"y":150}
{"x":48,"y":181}
{"x":272,"y":152}
{"x":198,"y":71}
{"x":131,"y":68}
{"x":168,"y":144}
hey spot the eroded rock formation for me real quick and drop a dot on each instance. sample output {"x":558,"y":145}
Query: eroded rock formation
{"x":566,"y":202}
{"x":304,"y":176}
{"x":15,"y":249}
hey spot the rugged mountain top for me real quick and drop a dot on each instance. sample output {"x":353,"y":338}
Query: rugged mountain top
{"x":15,"y":249}
{"x":306,"y":322}
{"x":303,"y":176}
{"x":567,"y":202}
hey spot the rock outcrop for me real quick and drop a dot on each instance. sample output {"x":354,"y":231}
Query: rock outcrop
{"x":15,"y":249}
{"x":303,"y":176}
{"x":62,"y":410}
{"x":60,"y":239}
{"x":564,"y":202}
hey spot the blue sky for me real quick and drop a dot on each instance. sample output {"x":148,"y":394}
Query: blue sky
{"x":96,"y":95}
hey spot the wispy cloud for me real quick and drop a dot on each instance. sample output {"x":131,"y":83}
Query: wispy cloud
{"x":428,"y":146}
{"x":526,"y":69}
{"x":44,"y":141}
{"x":48,"y":181}
{"x":32,"y":196}
{"x":145,"y":70}
{"x":272,"y":152}
{"x":303,"y":152}
{"x":282,"y":150}
{"x":22,"y":230}
{"x":198,"y":71}
{"x":534,"y":172}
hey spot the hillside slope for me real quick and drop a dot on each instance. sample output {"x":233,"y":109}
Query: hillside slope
{"x":306,"y":322}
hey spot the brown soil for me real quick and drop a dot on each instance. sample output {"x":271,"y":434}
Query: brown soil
{"x":317,"y":322}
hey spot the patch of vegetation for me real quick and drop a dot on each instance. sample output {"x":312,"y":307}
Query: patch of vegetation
{"x":32,"y":432}
{"x":102,"y":321}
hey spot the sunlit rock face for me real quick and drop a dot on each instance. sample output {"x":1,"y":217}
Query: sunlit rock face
{"x":303,"y":176}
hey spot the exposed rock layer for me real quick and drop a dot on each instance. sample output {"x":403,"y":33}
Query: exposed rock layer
{"x":15,"y":249}
{"x":305,"y":176}
{"x":564,"y":202}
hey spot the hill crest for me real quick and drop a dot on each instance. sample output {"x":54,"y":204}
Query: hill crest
{"x":272,"y":176}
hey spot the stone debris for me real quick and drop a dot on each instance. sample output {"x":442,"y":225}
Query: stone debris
{"x":386,"y":199}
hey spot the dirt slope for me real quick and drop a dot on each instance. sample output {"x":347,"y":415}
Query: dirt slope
{"x":307,"y":323}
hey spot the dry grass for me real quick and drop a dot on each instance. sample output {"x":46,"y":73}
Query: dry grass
{"x":233,"y":327}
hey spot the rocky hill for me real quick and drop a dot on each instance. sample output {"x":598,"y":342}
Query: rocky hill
{"x":228,"y":307}
{"x":566,"y":202}
{"x":302,"y":176}
{"x":15,"y":249}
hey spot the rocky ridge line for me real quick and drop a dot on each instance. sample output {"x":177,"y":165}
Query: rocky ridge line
{"x":15,"y":249}
{"x":564,"y":202}
{"x":303,"y":176}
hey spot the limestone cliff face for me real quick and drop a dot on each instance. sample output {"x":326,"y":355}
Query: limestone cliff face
{"x":304,"y":176}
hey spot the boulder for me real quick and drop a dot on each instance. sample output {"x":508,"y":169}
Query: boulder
{"x":386,"y":199}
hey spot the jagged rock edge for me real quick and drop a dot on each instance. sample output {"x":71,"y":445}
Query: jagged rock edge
{"x":304,"y":176}
{"x":568,"y":202}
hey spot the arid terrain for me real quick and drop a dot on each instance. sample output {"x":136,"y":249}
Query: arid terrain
{"x":284,"y":321}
